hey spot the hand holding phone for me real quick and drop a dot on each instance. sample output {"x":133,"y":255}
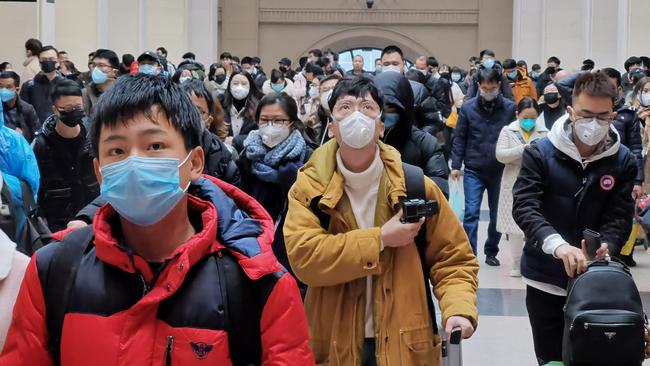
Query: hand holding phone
{"x":592,"y":242}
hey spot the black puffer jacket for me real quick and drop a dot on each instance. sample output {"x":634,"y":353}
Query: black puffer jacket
{"x":218,"y":160}
{"x":629,"y":129}
{"x":37,"y":93}
{"x":22,"y":116}
{"x":417,"y":147}
{"x":68,"y":181}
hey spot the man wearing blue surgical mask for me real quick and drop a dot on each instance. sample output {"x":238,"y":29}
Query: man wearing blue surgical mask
{"x":18,"y":114}
{"x":176,"y":263}
{"x":488,"y":62}
{"x":104,"y":68}
{"x":149,"y":63}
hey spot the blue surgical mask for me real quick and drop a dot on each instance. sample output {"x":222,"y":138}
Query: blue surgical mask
{"x":7,"y":94}
{"x":527,"y":124}
{"x":512,"y":75}
{"x":148,"y":69}
{"x":378,"y":70}
{"x":489,"y":63}
{"x":390,"y":120}
{"x":277,"y":87}
{"x":455,"y":77}
{"x":143,"y":190}
{"x":98,"y":76}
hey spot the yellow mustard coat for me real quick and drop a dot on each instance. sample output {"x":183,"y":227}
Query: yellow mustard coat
{"x":334,"y":264}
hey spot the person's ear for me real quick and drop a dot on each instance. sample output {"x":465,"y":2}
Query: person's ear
{"x":197,"y":162}
{"x":571,"y":112}
{"x":209,"y":121}
{"x":381,"y":128}
{"x":98,"y":175}
{"x":330,"y":130}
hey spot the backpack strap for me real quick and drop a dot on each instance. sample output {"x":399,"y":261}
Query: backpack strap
{"x":415,"y":189}
{"x":60,"y":280}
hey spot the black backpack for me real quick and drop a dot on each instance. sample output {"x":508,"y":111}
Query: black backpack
{"x":415,"y":188}
{"x":604,"y":322}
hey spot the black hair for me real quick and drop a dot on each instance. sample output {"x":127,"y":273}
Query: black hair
{"x":316,"y":52}
{"x":3,"y":66}
{"x":225,"y":55}
{"x":488,"y":76}
{"x":127,"y":59}
{"x":613,"y":74}
{"x":523,"y":64}
{"x":313,"y":68}
{"x":11,"y":75}
{"x":286,"y":102}
{"x":253,"y":98}
{"x":392,"y":49}
{"x":64,"y":88}
{"x":527,"y":102}
{"x":91,"y":54}
{"x":213,"y":70}
{"x":632,"y":61}
{"x":70,"y":66}
{"x":109,"y":55}
{"x":589,"y":62}
{"x":189,"y":55}
{"x":330,"y":77}
{"x":303,"y":61}
{"x":34,"y":46}
{"x":536,"y":67}
{"x":432,"y":62}
{"x":62,"y":53}
{"x":457,"y":70}
{"x":198,"y":88}
{"x":246,"y":60}
{"x":357,"y":87}
{"x":276,"y":75}
{"x":474,"y":59}
{"x":646,"y":61}
{"x":554,"y":60}
{"x":162,"y":50}
{"x":509,"y":63}
{"x":323,"y":61}
{"x":134,"y":94}
{"x":256,"y":60}
{"x":48,"y":48}
{"x":595,"y":84}
{"x":415,"y":75}
{"x":235,"y":59}
{"x":488,"y":52}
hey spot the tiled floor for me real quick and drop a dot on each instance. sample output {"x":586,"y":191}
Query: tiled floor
{"x":503,"y":337}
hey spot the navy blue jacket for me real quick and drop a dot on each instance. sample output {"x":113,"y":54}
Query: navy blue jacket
{"x":628,"y":126}
{"x":476,"y":134}
{"x":554,"y":194}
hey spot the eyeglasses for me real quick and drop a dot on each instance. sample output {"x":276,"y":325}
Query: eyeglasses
{"x":102,"y":66}
{"x":603,"y":118}
{"x":274,"y":122}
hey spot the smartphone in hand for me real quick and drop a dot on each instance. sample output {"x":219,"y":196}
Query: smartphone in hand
{"x":592,"y":242}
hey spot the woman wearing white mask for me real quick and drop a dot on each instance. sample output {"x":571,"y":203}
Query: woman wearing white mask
{"x":239,"y":104}
{"x":319,"y":116}
{"x":271,"y":158}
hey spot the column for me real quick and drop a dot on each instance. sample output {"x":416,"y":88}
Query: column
{"x":46,"y":22}
{"x":202,"y":26}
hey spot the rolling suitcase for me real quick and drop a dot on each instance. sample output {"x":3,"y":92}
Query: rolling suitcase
{"x":451,"y":349}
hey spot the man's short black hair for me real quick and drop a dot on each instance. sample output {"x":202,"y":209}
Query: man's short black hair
{"x":646,"y":61}
{"x":235,"y":59}
{"x":509,"y":63}
{"x":522,"y":63}
{"x":162,"y":50}
{"x":109,"y":55}
{"x":65,"y":88}
{"x":488,"y":52}
{"x":432,"y":62}
{"x":554,"y":60}
{"x":49,"y":48}
{"x":357,"y":87}
{"x":392,"y":49}
{"x":11,"y":75}
{"x":189,"y":55}
{"x":632,"y":61}
{"x":256,"y":60}
{"x":313,"y":68}
{"x":198,"y":88}
{"x":134,"y":94}
{"x":474,"y":59}
{"x":62,"y":53}
{"x":316,"y":52}
{"x":127,"y":59}
{"x":612,"y":73}
{"x":595,"y":84}
{"x":247,"y":60}
{"x":488,"y":76}
{"x":225,"y":55}
{"x":536,"y":67}
{"x":34,"y":46}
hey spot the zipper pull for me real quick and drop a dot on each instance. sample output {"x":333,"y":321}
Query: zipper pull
{"x":586,"y":326}
{"x":169,"y":350}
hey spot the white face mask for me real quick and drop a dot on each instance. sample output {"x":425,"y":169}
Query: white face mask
{"x":644,"y":99}
{"x":183,"y":79}
{"x":313,"y":92}
{"x":590,"y":131}
{"x":325,"y":100}
{"x":357,"y":130}
{"x":272,"y":135}
{"x":392,"y":68}
{"x":239,"y":92}
{"x":490,"y":95}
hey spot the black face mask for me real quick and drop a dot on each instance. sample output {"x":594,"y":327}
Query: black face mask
{"x":220,"y":78}
{"x":48,"y":66}
{"x":72,"y":117}
{"x":551,"y":98}
{"x":283,"y":69}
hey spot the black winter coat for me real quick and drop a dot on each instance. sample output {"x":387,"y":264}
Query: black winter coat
{"x":68,"y":181}
{"x":629,"y":129}
{"x":37,"y":93}
{"x":476,"y":134}
{"x":218,"y":160}
{"x":554,"y":194}
{"x":416,"y":147}
{"x":22,"y":116}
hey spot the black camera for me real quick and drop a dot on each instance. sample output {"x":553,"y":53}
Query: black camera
{"x":415,"y":209}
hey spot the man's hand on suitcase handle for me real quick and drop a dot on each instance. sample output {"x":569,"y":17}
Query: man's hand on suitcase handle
{"x":463,"y":323}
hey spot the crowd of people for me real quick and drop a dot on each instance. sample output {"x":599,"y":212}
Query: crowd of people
{"x":228,"y":214}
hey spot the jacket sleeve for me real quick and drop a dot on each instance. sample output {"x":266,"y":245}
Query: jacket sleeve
{"x":284,"y":329}
{"x":506,"y":153}
{"x":31,"y":118}
{"x":527,"y":198}
{"x":459,"y":139}
{"x":441,"y":94}
{"x":435,"y":166}
{"x":26,"y":91}
{"x":321,"y":259}
{"x":533,"y":90}
{"x":635,"y":144}
{"x":472,"y":91}
{"x":616,"y":221}
{"x":27,"y":339}
{"x":29,"y":172}
{"x":506,"y":90}
{"x":454,"y":268}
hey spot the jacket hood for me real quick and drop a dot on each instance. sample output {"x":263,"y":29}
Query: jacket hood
{"x":240,"y":225}
{"x":561,"y":137}
{"x":396,"y":90}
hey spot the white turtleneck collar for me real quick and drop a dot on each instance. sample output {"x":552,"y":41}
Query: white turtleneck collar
{"x":362,"y":180}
